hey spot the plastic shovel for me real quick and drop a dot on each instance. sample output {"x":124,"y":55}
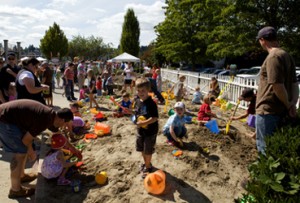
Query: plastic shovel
{"x":229,"y":121}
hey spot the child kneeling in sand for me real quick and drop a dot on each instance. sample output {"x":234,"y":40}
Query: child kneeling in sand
{"x":205,"y":113}
{"x":54,"y":165}
{"x":77,"y":127}
{"x":146,"y":113}
{"x":125,"y":106}
{"x":175,"y":128}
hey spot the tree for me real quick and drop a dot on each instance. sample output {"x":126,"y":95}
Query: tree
{"x":130,"y":38}
{"x":54,"y":43}
{"x":196,"y":30}
{"x":177,"y":35}
{"x":89,"y":48}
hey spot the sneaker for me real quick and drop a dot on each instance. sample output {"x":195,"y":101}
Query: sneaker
{"x":69,"y":99}
{"x":142,"y":167}
{"x":146,"y":171}
{"x":74,"y":98}
{"x":28,"y":177}
{"x":23,"y":192}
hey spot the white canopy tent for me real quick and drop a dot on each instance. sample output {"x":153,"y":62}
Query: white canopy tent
{"x":125,"y":57}
{"x":41,"y":59}
{"x":24,"y":58}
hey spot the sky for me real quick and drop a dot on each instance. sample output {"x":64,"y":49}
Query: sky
{"x":26,"y":21}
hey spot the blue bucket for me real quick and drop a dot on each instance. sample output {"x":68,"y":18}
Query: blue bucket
{"x":213,"y":126}
{"x":188,"y":119}
{"x":251,"y":120}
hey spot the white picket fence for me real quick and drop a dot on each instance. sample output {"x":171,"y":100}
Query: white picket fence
{"x":232,"y":87}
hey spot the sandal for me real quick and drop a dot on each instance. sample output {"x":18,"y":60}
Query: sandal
{"x":142,"y":167}
{"x":23,"y":192}
{"x":28,"y":177}
{"x":146,"y":171}
{"x":63,"y":181}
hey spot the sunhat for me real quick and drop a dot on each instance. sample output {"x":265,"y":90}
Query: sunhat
{"x":58,"y":141}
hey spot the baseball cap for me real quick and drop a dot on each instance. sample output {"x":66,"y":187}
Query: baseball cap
{"x":267,"y":33}
{"x":179,"y":105}
{"x":246,"y":93}
{"x":58,"y":141}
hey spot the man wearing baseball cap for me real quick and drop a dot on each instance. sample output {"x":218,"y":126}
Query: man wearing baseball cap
{"x":278,"y":88}
{"x":20,"y":122}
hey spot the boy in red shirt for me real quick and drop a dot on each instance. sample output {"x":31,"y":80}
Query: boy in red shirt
{"x":205,"y":113}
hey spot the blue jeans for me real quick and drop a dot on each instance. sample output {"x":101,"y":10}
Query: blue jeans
{"x":265,"y":126}
{"x":99,"y":92}
{"x":69,"y":89}
{"x":177,"y":133}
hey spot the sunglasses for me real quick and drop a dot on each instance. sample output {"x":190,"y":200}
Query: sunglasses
{"x":11,"y":59}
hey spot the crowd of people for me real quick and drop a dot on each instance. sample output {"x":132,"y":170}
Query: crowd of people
{"x":28,"y":90}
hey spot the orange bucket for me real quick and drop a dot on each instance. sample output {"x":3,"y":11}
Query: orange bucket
{"x":155,"y":183}
{"x":101,"y":128}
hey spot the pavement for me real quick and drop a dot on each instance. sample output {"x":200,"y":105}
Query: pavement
{"x":58,"y":101}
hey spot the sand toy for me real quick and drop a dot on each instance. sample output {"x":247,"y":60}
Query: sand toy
{"x":155,"y":183}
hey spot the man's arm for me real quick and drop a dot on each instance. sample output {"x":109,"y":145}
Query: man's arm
{"x":281,"y":93}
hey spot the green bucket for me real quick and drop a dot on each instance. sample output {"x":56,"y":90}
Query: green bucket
{"x":171,"y":112}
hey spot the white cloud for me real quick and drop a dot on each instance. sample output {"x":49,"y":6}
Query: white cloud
{"x":27,"y":21}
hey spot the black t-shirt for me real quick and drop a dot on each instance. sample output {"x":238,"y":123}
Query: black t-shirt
{"x":5,"y":77}
{"x":147,"y":108}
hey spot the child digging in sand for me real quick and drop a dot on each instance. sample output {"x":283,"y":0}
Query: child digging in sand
{"x":146,"y":113}
{"x":54,"y":164}
{"x":175,"y":128}
{"x":205,"y":113}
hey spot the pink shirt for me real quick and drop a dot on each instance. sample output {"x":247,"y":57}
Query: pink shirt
{"x":81,"y":94}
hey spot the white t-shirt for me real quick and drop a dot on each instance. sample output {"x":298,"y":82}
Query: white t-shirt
{"x":147,"y":69}
{"x":23,"y":75}
{"x":128,"y":71}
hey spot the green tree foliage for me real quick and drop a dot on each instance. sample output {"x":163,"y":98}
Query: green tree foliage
{"x":194,"y":30}
{"x":54,"y":43}
{"x":177,"y":35}
{"x":89,"y":48}
{"x":130,"y":38}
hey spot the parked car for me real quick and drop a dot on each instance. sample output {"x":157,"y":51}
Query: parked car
{"x":209,"y":70}
{"x":242,"y":71}
{"x":216,"y":72}
{"x":252,"y":73}
{"x":224,"y":72}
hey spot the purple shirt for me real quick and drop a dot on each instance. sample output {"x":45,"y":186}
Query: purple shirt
{"x":78,"y":122}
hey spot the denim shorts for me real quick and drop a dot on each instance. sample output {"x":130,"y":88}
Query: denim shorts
{"x":11,"y":137}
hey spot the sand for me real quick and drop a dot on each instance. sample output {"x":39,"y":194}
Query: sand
{"x":210,"y":169}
